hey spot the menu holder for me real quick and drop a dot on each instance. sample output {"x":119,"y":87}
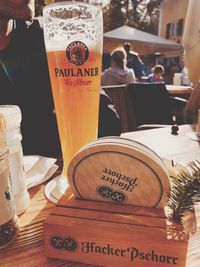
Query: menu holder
{"x":108,"y":234}
{"x":97,"y":229}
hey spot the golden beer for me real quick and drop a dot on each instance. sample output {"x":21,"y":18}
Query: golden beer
{"x":76,"y":101}
{"x":73,"y":38}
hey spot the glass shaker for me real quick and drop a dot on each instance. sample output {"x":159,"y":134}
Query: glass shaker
{"x":13,"y":117}
{"x":8,"y":219}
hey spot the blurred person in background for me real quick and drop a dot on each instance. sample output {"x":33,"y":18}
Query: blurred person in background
{"x":170,"y":70}
{"x":134,"y":61}
{"x":118,"y":73}
{"x":157,"y":74}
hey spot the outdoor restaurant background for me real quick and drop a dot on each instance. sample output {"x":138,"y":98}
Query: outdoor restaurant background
{"x":165,"y":19}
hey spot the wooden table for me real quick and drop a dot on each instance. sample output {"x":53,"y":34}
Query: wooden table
{"x":182,"y":150}
{"x":28,"y":250}
{"x":179,"y":147}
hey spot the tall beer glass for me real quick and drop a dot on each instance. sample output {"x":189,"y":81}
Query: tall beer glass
{"x":73,"y":35}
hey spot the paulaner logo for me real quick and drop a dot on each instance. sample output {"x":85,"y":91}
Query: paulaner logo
{"x":132,"y":252}
{"x":77,"y":53}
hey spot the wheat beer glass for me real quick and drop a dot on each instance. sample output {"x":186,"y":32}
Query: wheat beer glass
{"x":73,"y":35}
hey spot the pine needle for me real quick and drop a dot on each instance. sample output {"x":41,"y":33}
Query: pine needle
{"x":185,"y":191}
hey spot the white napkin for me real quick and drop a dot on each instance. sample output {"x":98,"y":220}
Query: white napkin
{"x":38,"y":169}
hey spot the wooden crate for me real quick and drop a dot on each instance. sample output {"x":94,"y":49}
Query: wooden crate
{"x":109,"y":234}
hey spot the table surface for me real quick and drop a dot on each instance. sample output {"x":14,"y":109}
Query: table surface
{"x":179,"y":148}
{"x":179,"y":89}
{"x":28,"y":250}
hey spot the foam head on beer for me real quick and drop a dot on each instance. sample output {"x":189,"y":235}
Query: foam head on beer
{"x":81,"y":22}
{"x":73,"y":35}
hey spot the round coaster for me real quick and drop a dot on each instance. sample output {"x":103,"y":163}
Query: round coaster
{"x":120,"y":171}
{"x":129,"y":142}
{"x":193,"y":136}
{"x":53,"y":191}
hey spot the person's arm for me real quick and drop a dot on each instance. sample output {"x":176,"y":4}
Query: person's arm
{"x":191,"y":109}
{"x":141,"y":66}
{"x":109,"y":121}
{"x":191,"y":41}
{"x":18,"y":9}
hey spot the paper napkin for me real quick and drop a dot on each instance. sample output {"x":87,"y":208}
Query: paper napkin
{"x":38,"y":169}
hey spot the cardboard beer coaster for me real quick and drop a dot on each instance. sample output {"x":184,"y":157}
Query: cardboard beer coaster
{"x":119,"y":170}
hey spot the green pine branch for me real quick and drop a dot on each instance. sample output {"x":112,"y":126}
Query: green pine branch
{"x":185,"y":190}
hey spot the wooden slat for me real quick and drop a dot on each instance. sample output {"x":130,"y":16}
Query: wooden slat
{"x":117,"y":236}
{"x":115,"y":218}
{"x":116,"y":208}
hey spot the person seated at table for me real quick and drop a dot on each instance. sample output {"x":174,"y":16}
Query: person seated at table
{"x":157,"y":74}
{"x":118,"y":73}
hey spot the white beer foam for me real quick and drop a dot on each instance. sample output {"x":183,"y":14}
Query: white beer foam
{"x":77,"y":22}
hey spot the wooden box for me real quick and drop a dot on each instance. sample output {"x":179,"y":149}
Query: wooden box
{"x":109,"y":234}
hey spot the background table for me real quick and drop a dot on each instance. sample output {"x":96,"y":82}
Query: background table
{"x":178,"y":89}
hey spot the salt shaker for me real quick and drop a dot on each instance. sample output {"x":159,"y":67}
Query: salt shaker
{"x":8,"y":219}
{"x":13,"y":117}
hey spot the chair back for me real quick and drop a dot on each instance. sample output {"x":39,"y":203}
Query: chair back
{"x":119,"y":96}
{"x":150,"y":103}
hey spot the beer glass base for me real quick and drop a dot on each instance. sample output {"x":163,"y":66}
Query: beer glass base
{"x":56,"y":188}
{"x":193,"y":136}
